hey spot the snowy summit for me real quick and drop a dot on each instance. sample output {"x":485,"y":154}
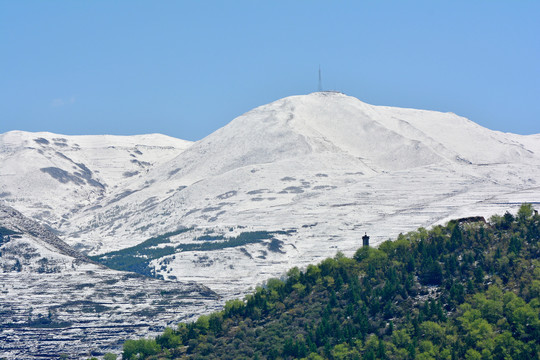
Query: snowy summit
{"x":323,"y":167}
{"x":286,"y":184}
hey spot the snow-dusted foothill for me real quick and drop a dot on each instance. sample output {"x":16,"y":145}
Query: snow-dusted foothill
{"x":50,"y":177}
{"x":56,"y":301}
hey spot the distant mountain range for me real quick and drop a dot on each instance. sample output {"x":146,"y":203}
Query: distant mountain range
{"x":286,"y":184}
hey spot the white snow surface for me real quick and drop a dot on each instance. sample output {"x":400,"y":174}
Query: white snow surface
{"x":93,"y":306}
{"x":87,"y":168}
{"x":325,"y":166}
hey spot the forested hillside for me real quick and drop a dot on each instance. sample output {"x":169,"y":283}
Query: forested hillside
{"x":467,"y":290}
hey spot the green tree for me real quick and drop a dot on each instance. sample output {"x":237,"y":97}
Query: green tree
{"x":525,"y":212}
{"x":134,"y":349}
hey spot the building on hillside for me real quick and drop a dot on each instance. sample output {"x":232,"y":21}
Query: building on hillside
{"x":365,"y":240}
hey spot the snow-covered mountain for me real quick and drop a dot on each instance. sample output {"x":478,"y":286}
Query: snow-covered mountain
{"x":55,"y":300}
{"x":50,"y":176}
{"x":314,"y":172}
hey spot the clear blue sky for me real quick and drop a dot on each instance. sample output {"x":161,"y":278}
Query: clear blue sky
{"x":186,"y":68}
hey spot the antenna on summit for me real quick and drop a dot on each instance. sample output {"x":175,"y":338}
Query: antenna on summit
{"x":320,"y":79}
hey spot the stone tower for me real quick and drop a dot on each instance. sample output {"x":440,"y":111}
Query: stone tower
{"x":365,"y":240}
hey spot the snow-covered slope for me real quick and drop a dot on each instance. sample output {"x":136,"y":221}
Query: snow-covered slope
{"x":50,"y":176}
{"x":316,"y":171}
{"x":54,"y":300}
{"x":385,"y":138}
{"x":326,"y":167}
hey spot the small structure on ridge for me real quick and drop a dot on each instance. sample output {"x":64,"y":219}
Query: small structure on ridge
{"x":365,"y":240}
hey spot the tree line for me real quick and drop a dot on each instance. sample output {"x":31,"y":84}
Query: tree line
{"x":466,"y":290}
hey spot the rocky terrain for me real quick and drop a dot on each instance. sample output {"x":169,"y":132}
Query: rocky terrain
{"x":56,"y":301}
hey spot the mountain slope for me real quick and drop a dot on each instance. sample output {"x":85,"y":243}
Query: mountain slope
{"x":321,"y":123}
{"x":318,"y":171}
{"x":55,"y":300}
{"x":314,"y":171}
{"x":51,"y":176}
{"x":286,"y":184}
{"x":467,"y":290}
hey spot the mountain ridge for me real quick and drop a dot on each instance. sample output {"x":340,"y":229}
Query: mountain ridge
{"x":325,"y":165}
{"x":45,"y":171}
{"x":286,"y":184}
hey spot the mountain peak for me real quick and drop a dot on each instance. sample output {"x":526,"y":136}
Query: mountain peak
{"x":313,"y":171}
{"x":326,"y":123}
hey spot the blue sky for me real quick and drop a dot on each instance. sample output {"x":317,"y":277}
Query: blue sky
{"x":186,"y":68}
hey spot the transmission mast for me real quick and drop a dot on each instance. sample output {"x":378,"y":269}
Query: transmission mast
{"x":320,"y":79}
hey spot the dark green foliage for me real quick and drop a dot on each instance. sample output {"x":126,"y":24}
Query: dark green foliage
{"x":240,"y":240}
{"x":209,"y":237}
{"x":137,"y":258}
{"x":431,"y":272}
{"x":140,"y":349}
{"x":468,"y":290}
